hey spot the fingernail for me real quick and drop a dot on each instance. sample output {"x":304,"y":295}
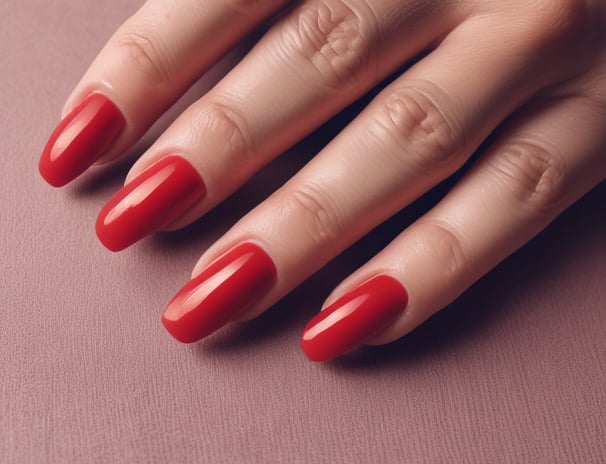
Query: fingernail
{"x":155,"y":198}
{"x":354,"y":318}
{"x":225,"y":289}
{"x":80,"y":139}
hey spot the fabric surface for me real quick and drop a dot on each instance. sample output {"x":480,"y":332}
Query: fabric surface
{"x":514,"y":371}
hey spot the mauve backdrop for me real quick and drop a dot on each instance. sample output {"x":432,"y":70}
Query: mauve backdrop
{"x":514,"y":371}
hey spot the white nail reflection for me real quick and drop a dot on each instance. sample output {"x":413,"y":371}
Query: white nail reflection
{"x":202,"y":290}
{"x":139,"y":194}
{"x":74,"y":128}
{"x":335,"y":317}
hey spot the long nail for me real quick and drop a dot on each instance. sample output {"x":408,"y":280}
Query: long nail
{"x":152,"y":200}
{"x":222,"y":291}
{"x":80,"y":139}
{"x":354,"y":318}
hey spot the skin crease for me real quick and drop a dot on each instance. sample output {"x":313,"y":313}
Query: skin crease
{"x":534,"y":69}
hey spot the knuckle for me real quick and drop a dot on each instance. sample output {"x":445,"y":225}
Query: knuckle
{"x":143,"y":51}
{"x":534,"y":174}
{"x":442,"y":244}
{"x":321,"y":219}
{"x":334,"y":38}
{"x":420,"y":129}
{"x":228,"y":125}
{"x":558,"y":19}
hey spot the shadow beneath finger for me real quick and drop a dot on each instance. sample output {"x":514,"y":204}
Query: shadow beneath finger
{"x":496,"y":299}
{"x":501,"y":295}
{"x":216,"y":222}
{"x":102,"y":179}
{"x":283,"y":320}
{"x":300,"y":305}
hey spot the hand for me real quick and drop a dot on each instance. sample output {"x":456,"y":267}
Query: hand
{"x":531,"y":72}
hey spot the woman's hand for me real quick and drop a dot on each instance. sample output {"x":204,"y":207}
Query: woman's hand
{"x":536,"y":70}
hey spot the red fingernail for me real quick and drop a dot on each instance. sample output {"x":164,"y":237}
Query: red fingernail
{"x":152,"y":200}
{"x":219,"y":293}
{"x":354,"y":318}
{"x":80,"y":139}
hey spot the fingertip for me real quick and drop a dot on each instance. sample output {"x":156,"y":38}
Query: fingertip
{"x":221,"y":292}
{"x":80,"y":139}
{"x":108,"y":239}
{"x":156,"y":197}
{"x":354,"y":318}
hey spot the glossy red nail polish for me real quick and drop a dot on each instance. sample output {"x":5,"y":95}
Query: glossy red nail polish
{"x":222,"y":291}
{"x":80,"y":139}
{"x":354,"y":318}
{"x":152,"y":200}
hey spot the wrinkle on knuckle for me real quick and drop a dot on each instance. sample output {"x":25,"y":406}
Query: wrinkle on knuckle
{"x":556,"y":20}
{"x":419,"y":128}
{"x":228,"y":125}
{"x":441,"y":243}
{"x":320,"y":217}
{"x":144,"y":51}
{"x":334,"y":38}
{"x":566,"y":15}
{"x":534,"y":175}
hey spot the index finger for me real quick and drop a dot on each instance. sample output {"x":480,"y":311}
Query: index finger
{"x":144,"y":68}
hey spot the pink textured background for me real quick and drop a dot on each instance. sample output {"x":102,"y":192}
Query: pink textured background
{"x":514,"y":371}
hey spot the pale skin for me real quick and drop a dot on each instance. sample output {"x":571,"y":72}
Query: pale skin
{"x":536,"y":69}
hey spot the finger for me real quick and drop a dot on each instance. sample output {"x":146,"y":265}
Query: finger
{"x":544,"y":162}
{"x":311,"y":64}
{"x":147,"y":64}
{"x":420,"y":129}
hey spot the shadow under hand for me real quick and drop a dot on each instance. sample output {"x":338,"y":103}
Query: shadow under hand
{"x":105,"y":179}
{"x":476,"y":312}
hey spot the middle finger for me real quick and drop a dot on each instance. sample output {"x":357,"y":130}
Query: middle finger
{"x":311,"y":64}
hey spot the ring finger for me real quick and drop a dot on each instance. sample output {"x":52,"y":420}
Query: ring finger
{"x":544,"y":161}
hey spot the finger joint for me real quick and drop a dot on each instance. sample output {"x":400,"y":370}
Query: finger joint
{"x":420,"y":129}
{"x":143,"y":50}
{"x":226,"y":124}
{"x":321,"y":218}
{"x":445,"y":246}
{"x":534,"y":174}
{"x":334,"y":38}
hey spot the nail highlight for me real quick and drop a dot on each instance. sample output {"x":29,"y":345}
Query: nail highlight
{"x":354,"y":318}
{"x":155,"y":198}
{"x":80,"y":139}
{"x":225,"y":289}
